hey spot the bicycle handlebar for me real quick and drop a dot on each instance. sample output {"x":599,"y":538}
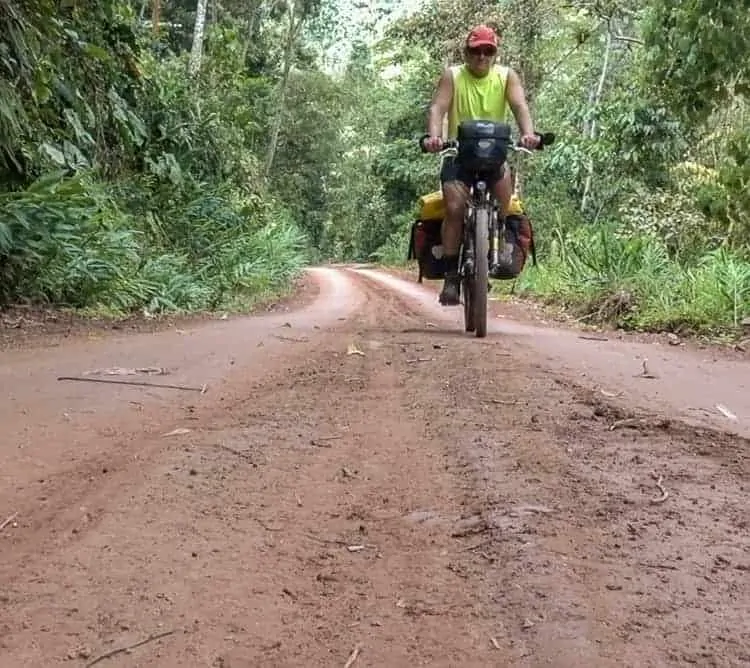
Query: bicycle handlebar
{"x":545,"y":139}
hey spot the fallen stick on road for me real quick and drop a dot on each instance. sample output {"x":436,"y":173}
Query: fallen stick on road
{"x":725,"y":412}
{"x":626,"y":422}
{"x":265,"y":526}
{"x":327,"y":541}
{"x":290,"y":338}
{"x":478,"y":545}
{"x":121,"y":371}
{"x":320,"y":442}
{"x":138,"y":383}
{"x":645,"y":373}
{"x":121,"y":650}
{"x":667,"y":567}
{"x":664,"y":493}
{"x":8,"y":520}
{"x":353,"y":656}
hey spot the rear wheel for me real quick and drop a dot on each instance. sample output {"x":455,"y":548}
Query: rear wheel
{"x":480,"y":280}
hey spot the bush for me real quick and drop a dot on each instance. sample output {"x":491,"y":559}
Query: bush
{"x":65,"y":241}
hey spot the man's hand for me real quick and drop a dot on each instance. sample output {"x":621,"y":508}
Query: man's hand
{"x":432,"y":144}
{"x":530,"y":141}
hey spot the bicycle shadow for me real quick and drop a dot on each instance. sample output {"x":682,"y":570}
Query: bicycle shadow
{"x":439,"y":332}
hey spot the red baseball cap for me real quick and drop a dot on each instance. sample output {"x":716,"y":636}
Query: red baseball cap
{"x":482,"y":36}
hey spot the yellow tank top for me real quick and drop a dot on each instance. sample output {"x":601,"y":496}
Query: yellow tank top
{"x":477,"y":98}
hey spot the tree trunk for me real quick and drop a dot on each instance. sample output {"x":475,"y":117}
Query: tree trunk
{"x":255,"y":14}
{"x":592,"y":126}
{"x":155,"y":16}
{"x":197,"y":51}
{"x":259,"y":11}
{"x":295,"y":23}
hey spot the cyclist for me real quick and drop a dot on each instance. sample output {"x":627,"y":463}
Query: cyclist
{"x":479,"y":89}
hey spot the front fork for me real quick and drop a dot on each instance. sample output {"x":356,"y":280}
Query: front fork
{"x":495,"y":232}
{"x":467,"y":247}
{"x":496,"y":240}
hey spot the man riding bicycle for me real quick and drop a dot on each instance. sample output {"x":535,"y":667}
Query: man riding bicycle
{"x":477,"y":90}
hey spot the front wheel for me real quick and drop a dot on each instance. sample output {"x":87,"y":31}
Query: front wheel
{"x":466,"y":288}
{"x":480,"y":279}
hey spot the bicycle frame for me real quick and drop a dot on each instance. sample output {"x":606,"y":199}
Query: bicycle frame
{"x":479,"y":196}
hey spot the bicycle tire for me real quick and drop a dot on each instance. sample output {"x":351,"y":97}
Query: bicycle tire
{"x":480,"y":280}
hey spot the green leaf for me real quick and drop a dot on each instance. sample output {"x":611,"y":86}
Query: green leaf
{"x":53,"y":153}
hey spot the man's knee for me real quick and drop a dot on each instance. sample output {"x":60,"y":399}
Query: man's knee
{"x":503,"y":175}
{"x":454,"y":196}
{"x":503,"y":184}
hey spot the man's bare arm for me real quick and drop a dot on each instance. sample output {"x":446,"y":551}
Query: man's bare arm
{"x":441,"y":104}
{"x":516,"y":97}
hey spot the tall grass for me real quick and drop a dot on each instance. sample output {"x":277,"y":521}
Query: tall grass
{"x":631,"y":281}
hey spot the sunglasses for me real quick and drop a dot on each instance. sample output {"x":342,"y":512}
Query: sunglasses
{"x":486,"y":51}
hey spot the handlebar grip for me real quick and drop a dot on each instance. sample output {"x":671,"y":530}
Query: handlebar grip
{"x":446,"y":144}
{"x":545,"y":139}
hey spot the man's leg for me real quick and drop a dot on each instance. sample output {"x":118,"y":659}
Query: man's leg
{"x":455,"y":194}
{"x":503,"y":189}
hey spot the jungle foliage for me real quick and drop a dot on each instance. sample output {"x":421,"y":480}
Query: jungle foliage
{"x":176,"y":155}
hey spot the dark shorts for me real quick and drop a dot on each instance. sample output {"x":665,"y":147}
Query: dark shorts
{"x":451,"y":171}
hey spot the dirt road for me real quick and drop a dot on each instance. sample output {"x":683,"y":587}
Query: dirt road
{"x":362,"y":484}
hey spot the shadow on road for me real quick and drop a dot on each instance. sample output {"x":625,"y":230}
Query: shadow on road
{"x":454,"y":333}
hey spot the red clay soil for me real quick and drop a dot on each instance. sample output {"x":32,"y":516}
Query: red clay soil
{"x":362,"y":481}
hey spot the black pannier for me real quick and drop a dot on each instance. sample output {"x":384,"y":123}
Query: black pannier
{"x":425,"y":246}
{"x":482,"y":145}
